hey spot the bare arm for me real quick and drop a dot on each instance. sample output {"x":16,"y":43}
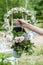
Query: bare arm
{"x":34,"y":28}
{"x":24,"y":23}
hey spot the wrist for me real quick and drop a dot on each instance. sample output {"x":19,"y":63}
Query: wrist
{"x":25,"y":24}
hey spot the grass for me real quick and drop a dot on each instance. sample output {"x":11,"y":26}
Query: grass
{"x":37,"y":57}
{"x":32,"y":60}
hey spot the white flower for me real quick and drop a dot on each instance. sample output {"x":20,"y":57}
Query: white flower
{"x":9,"y":37}
{"x":32,"y":17}
{"x":19,"y":39}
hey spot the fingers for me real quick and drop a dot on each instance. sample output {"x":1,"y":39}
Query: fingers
{"x":15,"y":21}
{"x":19,"y":22}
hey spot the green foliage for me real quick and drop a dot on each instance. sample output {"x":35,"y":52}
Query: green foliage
{"x":3,"y":57}
{"x":17,"y":33}
{"x":33,"y":5}
{"x":24,"y":46}
{"x":2,"y":63}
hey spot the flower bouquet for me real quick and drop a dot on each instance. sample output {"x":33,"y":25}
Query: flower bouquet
{"x":22,"y":43}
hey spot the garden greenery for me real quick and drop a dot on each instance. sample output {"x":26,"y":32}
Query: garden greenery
{"x":24,"y":46}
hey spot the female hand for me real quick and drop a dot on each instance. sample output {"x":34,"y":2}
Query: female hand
{"x":20,"y":22}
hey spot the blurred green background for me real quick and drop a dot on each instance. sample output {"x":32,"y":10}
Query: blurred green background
{"x":36,"y":6}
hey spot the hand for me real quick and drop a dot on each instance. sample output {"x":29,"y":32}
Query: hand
{"x":20,"y":22}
